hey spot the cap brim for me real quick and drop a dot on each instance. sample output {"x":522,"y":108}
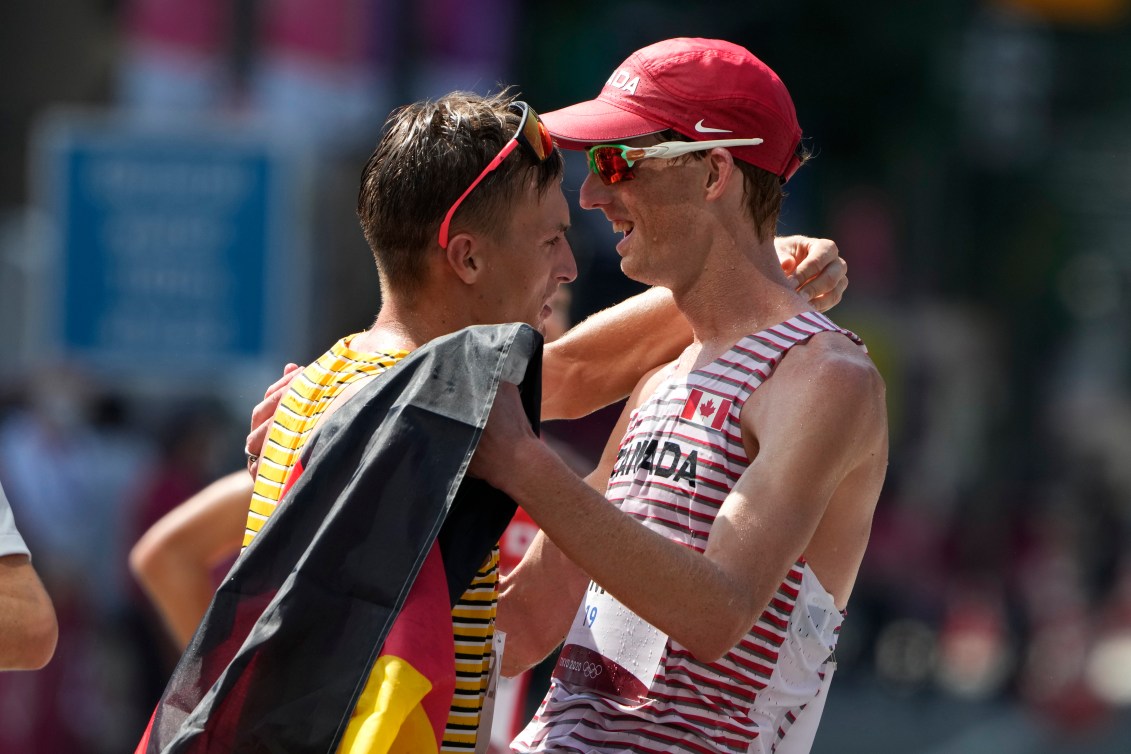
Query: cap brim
{"x":596,"y":122}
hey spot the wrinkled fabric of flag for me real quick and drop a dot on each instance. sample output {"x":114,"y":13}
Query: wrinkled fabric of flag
{"x":358,"y":569}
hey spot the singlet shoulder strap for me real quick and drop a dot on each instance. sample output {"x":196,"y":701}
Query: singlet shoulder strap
{"x":756,"y":356}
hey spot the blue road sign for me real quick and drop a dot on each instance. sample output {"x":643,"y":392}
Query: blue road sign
{"x":170,"y":243}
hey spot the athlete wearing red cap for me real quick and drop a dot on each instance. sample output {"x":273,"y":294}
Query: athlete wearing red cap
{"x":699,"y":611}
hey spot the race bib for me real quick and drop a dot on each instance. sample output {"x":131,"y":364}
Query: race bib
{"x":610,"y":649}
{"x":487,"y":714}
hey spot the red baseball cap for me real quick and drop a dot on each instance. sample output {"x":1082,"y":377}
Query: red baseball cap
{"x":701,"y":88}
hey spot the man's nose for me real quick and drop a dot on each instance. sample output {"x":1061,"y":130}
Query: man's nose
{"x":594,"y":193}
{"x":567,"y":267}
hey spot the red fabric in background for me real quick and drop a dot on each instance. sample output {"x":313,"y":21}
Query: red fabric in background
{"x":200,"y":25}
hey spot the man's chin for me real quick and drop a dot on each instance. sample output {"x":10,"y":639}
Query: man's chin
{"x":538,"y":323}
{"x":629,"y":270}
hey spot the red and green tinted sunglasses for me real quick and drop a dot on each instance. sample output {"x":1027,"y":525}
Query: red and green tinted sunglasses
{"x":533,"y":137}
{"x":612,"y":163}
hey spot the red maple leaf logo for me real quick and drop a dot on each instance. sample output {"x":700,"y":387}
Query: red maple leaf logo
{"x":707,"y":408}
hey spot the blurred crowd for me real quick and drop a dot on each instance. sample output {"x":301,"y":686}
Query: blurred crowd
{"x":87,"y":474}
{"x":973,"y":163}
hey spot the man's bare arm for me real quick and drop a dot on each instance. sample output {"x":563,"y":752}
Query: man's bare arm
{"x":600,"y":360}
{"x":832,"y":424}
{"x":539,"y":599}
{"x":28,"y":628}
{"x":173,"y":561}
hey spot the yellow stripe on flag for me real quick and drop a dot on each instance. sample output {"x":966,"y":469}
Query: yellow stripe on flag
{"x":388,"y":718}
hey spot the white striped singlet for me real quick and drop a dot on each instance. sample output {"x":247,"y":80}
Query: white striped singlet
{"x":620,"y":684}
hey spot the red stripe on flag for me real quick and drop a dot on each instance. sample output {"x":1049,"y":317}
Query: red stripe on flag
{"x":292,"y":477}
{"x":721,"y":415}
{"x":422,"y":636}
{"x":691,"y":405}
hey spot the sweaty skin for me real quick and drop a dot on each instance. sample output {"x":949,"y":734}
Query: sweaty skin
{"x":816,"y":434}
{"x":600,"y":360}
{"x":594,"y":364}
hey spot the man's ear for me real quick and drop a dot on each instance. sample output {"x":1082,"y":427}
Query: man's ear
{"x":462,"y":255}
{"x":721,"y":170}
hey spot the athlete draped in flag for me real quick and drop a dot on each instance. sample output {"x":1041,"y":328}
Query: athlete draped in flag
{"x":700,"y":610}
{"x":462,"y":237}
{"x":469,"y":235}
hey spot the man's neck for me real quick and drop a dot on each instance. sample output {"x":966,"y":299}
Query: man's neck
{"x":739,"y":292}
{"x":404,"y":325}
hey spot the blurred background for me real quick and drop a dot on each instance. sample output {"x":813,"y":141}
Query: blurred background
{"x":177,"y":183}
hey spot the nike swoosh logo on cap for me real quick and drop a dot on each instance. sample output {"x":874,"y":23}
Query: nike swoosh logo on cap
{"x":708,"y":130}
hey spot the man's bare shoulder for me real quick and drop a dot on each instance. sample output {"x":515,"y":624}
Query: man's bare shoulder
{"x":832,"y":360}
{"x":828,"y":381}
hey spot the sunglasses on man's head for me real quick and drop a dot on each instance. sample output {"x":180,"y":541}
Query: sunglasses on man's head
{"x":612,"y":163}
{"x":533,"y":137}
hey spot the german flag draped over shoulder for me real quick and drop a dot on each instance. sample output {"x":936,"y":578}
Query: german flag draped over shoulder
{"x":280,"y":659}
